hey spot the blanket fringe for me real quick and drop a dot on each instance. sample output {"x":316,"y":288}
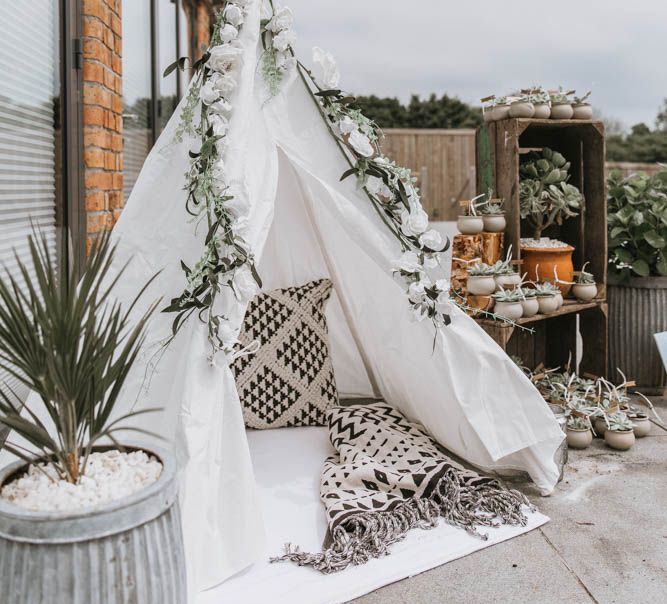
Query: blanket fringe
{"x":461,"y":500}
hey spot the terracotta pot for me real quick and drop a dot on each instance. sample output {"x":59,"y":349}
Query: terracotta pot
{"x":480,"y":302}
{"x":585,"y":291}
{"x":582,"y":111}
{"x":500,"y":112}
{"x":539,"y":263}
{"x":619,"y":439}
{"x":562,"y":111}
{"x":542,"y":111}
{"x":510,"y":281}
{"x":522,"y":109}
{"x":494,"y":223}
{"x":642,"y":426}
{"x":579,"y":439}
{"x":470,"y":225}
{"x":481,"y":285}
{"x":509,"y":310}
{"x":530,"y":307}
{"x":547,"y":304}
{"x":600,"y":426}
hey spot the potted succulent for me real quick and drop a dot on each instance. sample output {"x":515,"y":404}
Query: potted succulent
{"x":561,"y":105}
{"x":579,"y":435}
{"x":481,"y":279}
{"x":493,"y":215}
{"x":637,"y":282}
{"x":506,"y":275}
{"x":76,"y":497}
{"x":470,"y":223}
{"x":546,"y":199}
{"x":529,"y":301}
{"x":641,"y":423}
{"x":540,"y":99}
{"x":508,"y":304}
{"x":501,"y":109}
{"x":620,"y":432}
{"x":581,"y":108}
{"x":584,"y":287}
{"x":522,"y":107}
{"x":546,"y":297}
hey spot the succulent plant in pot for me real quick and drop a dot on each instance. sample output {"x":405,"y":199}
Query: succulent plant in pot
{"x":529,"y":302}
{"x":581,"y":108}
{"x":546,"y":198}
{"x":67,"y":342}
{"x":561,"y":104}
{"x":584,"y":288}
{"x":620,"y":432}
{"x":640,"y":422}
{"x":579,"y":435}
{"x":470,"y":222}
{"x":508,"y":304}
{"x":540,"y":99}
{"x":522,"y":107}
{"x":546,"y":297}
{"x":501,"y":109}
{"x":481,"y":279}
{"x":493,"y":214}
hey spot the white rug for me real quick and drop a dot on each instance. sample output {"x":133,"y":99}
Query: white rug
{"x":287,"y":465}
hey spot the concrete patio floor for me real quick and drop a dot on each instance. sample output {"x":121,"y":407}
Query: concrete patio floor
{"x":606,"y":542}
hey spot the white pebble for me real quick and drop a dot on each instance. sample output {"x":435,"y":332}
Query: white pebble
{"x":109,"y":476}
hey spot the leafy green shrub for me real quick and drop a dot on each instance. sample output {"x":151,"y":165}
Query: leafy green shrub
{"x":637,"y":221}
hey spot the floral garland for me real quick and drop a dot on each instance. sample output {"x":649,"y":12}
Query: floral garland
{"x":277,"y":40}
{"x":227,"y":260}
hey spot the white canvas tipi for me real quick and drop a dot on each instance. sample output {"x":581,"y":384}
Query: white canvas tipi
{"x":301,"y":222}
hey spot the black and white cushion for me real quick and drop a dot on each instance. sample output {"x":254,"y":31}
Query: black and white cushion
{"x":289,"y":381}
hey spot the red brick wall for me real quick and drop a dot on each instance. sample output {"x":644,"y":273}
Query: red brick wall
{"x":102,"y":114}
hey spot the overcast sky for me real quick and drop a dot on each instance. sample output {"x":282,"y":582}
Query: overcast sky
{"x":617,"y":48}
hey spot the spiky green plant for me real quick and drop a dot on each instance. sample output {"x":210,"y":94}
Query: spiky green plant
{"x":73,"y":347}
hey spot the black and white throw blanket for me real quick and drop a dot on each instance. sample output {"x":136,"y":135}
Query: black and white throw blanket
{"x":387,"y":477}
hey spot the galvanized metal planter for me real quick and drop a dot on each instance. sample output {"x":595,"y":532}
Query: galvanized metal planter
{"x":637,"y":310}
{"x":127,"y":552}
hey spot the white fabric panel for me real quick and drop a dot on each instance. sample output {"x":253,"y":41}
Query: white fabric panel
{"x":287,"y":466}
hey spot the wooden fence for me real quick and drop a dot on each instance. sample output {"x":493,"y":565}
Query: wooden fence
{"x":444,"y":163}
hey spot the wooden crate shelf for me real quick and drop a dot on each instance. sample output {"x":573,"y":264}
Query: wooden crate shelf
{"x":500,"y":147}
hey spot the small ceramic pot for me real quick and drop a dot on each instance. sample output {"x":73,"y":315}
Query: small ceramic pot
{"x":530,"y":307}
{"x":559,"y":300}
{"x":619,"y":439}
{"x":542,"y":111}
{"x":547,"y":304}
{"x":522,"y":109}
{"x":600,"y":426}
{"x":582,"y":111}
{"x":509,"y":310}
{"x":578,"y":439}
{"x":642,"y":425}
{"x":500,"y":112}
{"x":561,"y":111}
{"x":470,"y":225}
{"x":488,"y":114}
{"x":584,"y":291}
{"x":509,"y":281}
{"x":494,"y":223}
{"x":481,"y":285}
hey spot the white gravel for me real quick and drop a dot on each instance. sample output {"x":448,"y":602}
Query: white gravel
{"x":544,"y":242}
{"x":109,"y":476}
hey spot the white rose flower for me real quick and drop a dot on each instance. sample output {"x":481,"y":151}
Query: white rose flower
{"x":443,"y":285}
{"x":220,"y":124}
{"x":414,"y":222}
{"x":244,"y":284}
{"x":361,"y":143}
{"x":347,"y":125}
{"x":417,"y":289}
{"x":282,"y":19}
{"x":376,"y":186}
{"x":225,"y":84}
{"x":430,"y":261}
{"x":327,"y":74}
{"x":224,"y":57}
{"x":409,"y":263}
{"x":285,"y":60}
{"x":228,"y":33}
{"x":431,"y":239}
{"x":284,"y":40}
{"x":207,"y":93}
{"x":233,"y":14}
{"x":221,"y":107}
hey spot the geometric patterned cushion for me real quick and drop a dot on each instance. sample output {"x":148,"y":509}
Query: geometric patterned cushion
{"x":289,"y":381}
